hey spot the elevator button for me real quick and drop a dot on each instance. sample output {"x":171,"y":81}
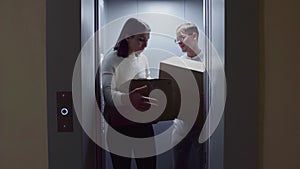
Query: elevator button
{"x":64,"y":111}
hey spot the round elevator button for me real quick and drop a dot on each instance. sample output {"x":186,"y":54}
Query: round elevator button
{"x":64,"y":111}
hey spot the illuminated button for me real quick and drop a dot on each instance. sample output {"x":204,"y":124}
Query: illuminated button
{"x":64,"y":111}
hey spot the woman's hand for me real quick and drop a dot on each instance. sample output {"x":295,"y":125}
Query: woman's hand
{"x":139,"y":101}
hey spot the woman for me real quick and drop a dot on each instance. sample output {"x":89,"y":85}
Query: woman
{"x":125,"y":63}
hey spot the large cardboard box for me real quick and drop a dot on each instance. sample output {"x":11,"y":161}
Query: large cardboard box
{"x":184,"y":72}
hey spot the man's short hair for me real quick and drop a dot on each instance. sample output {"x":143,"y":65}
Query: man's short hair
{"x":188,"y":28}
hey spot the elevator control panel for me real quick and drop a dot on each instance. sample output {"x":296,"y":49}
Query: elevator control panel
{"x":64,"y":105}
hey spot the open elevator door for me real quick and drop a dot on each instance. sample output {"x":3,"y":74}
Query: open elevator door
{"x":189,"y":10}
{"x":93,"y":17}
{"x":214,"y":17}
{"x":89,"y":79}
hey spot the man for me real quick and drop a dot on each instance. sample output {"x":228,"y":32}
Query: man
{"x":187,"y":38}
{"x":188,"y":153}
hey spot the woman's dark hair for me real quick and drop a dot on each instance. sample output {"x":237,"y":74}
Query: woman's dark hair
{"x":131,"y":28}
{"x":122,"y":48}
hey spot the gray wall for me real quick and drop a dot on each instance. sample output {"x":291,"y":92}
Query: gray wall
{"x":241,"y":65}
{"x":63,"y":44}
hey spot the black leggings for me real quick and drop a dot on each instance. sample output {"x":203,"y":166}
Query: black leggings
{"x":137,"y":131}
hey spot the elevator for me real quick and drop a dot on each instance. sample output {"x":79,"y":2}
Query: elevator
{"x":78,"y":46}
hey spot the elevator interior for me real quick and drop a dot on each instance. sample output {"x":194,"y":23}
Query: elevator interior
{"x":163,"y":18}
